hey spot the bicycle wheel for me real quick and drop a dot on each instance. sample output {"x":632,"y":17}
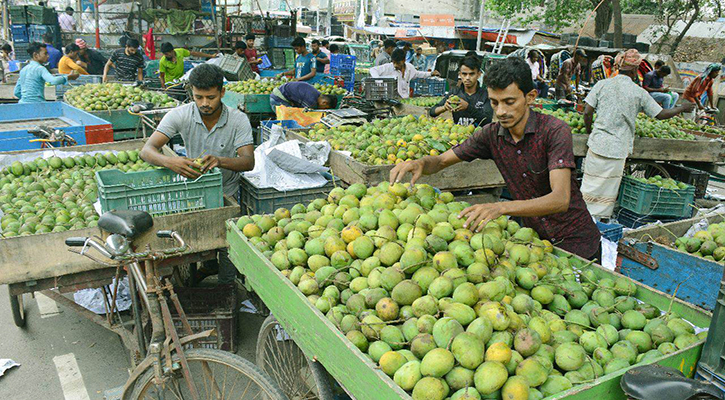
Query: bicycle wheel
{"x":228,"y":377}
{"x":299,"y":377}
{"x":18,"y":309}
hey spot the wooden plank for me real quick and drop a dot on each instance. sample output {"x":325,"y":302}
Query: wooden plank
{"x":320,"y":339}
{"x":478,"y":174}
{"x":705,"y":150}
{"x":309,"y":328}
{"x":34,"y":257}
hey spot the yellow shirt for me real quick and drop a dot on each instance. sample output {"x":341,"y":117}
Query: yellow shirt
{"x":66,"y":65}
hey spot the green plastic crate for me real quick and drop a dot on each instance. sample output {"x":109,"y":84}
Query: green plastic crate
{"x":289,"y":58}
{"x":255,"y":200}
{"x":18,"y":15}
{"x":42,"y":15}
{"x":253,"y":103}
{"x":158,"y":191}
{"x":648,"y":199}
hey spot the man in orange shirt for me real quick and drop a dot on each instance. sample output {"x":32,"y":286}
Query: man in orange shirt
{"x":702,"y":84}
{"x":71,"y":61}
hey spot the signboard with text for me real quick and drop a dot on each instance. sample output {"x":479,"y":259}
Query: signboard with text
{"x":437,"y":20}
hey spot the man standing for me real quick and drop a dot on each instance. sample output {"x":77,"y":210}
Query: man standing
{"x":334,"y":49}
{"x":95,"y":61}
{"x":535,"y":63}
{"x":403,"y":71}
{"x":54,"y":55}
{"x":385,"y":54}
{"x":617,"y":101}
{"x":321,"y":59}
{"x":171,"y":65}
{"x":251,"y":53}
{"x":220,"y":135}
{"x":70,"y":61}
{"x":571,"y":68}
{"x":325,"y":48}
{"x":33,"y":77}
{"x":127,"y":61}
{"x":420,"y":62}
{"x":472,"y":106}
{"x":701,"y":85}
{"x":534,"y":153}
{"x":305,"y":66}
{"x":66,"y":21}
{"x":654,"y":84}
{"x":301,"y":95}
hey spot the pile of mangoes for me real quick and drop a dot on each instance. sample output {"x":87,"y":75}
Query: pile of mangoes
{"x":256,"y":86}
{"x":113,"y":96}
{"x":709,"y":243}
{"x":449,"y":313}
{"x":330,"y":89}
{"x":426,"y":101}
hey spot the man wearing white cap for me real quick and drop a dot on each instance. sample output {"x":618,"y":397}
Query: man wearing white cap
{"x":617,"y":101}
{"x":94,"y":60}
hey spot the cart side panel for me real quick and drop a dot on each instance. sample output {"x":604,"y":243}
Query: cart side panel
{"x":312,"y":331}
{"x":664,"y":149}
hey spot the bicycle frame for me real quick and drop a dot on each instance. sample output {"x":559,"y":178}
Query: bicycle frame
{"x":164,"y":337}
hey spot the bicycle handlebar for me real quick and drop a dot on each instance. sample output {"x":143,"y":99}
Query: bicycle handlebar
{"x":76,"y":241}
{"x":85,"y":242}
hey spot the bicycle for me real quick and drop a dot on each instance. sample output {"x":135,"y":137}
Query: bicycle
{"x":173,"y":368}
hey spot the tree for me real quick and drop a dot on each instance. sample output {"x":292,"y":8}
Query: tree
{"x":672,"y":11}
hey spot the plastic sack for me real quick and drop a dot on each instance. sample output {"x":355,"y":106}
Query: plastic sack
{"x":92,"y":299}
{"x":299,"y":115}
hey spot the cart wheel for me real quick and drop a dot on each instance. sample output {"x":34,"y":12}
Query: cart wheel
{"x":299,"y":377}
{"x":18,"y":308}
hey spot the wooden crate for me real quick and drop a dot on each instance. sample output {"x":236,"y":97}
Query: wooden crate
{"x":478,"y":174}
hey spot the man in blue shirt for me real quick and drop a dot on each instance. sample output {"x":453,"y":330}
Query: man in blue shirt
{"x":305,"y":68}
{"x":320,"y":57}
{"x":54,"y":55}
{"x":654,"y":84}
{"x":31,"y":83}
{"x":301,"y":95}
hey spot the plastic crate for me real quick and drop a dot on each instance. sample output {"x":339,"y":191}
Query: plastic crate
{"x":633,"y":220}
{"x":429,"y":86}
{"x":647,"y":199}
{"x":380,"y":88}
{"x":266,"y":63}
{"x":611,"y":232}
{"x":289,"y":58}
{"x":278,"y":58}
{"x":279,"y":41}
{"x":342,"y":62}
{"x":42,"y":15}
{"x":21,"y":51}
{"x":265,"y":201}
{"x":704,"y":374}
{"x":20,"y":33}
{"x":209,"y":308}
{"x":158,"y":191}
{"x":712,"y":359}
{"x":266,"y":126}
{"x":695,"y":177}
{"x":236,"y":69}
{"x":37,"y":33}
{"x":18,"y":15}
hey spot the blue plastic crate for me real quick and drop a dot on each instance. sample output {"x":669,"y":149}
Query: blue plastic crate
{"x":265,"y":62}
{"x":342,"y":62}
{"x":633,"y":220}
{"x":20,"y":33}
{"x":611,"y":232}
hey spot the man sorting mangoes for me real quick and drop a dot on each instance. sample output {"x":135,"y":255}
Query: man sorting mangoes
{"x":214,"y":136}
{"x":534,"y":154}
{"x":469,"y":103}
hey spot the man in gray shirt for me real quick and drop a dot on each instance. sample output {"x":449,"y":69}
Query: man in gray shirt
{"x":384,"y":56}
{"x":213,"y":133}
{"x":617,"y":101}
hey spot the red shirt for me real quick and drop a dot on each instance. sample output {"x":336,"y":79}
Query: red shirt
{"x":251,"y":55}
{"x":696,"y":88}
{"x":525,"y":166}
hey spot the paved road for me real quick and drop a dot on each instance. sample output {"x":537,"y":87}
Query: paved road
{"x":66,"y":357}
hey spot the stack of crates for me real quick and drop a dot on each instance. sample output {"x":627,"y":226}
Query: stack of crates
{"x":343,"y":65}
{"x":19,"y":31}
{"x":37,"y":34}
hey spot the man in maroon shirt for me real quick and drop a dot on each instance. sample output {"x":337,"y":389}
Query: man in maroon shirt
{"x":251,"y":53}
{"x":534,"y":154}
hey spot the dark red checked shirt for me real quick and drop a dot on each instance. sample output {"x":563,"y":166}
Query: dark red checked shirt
{"x":525,"y":166}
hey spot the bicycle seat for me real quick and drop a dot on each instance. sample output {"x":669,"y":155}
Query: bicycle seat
{"x":128,"y":223}
{"x":658,"y":382}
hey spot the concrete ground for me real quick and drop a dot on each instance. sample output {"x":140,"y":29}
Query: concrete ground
{"x":63,"y":356}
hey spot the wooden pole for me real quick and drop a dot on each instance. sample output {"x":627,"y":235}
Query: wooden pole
{"x":480,"y":26}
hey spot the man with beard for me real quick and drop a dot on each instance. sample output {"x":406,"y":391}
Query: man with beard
{"x":219,"y":135}
{"x":534,"y":153}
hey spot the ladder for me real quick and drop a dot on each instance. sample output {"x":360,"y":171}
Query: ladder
{"x":501,"y":37}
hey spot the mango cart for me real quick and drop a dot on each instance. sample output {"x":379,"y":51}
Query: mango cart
{"x":324,"y":346}
{"x":41,"y":262}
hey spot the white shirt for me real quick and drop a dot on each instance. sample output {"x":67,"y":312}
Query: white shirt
{"x":327,"y":53}
{"x":67,"y":22}
{"x":389,"y":71}
{"x":534,"y":68}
